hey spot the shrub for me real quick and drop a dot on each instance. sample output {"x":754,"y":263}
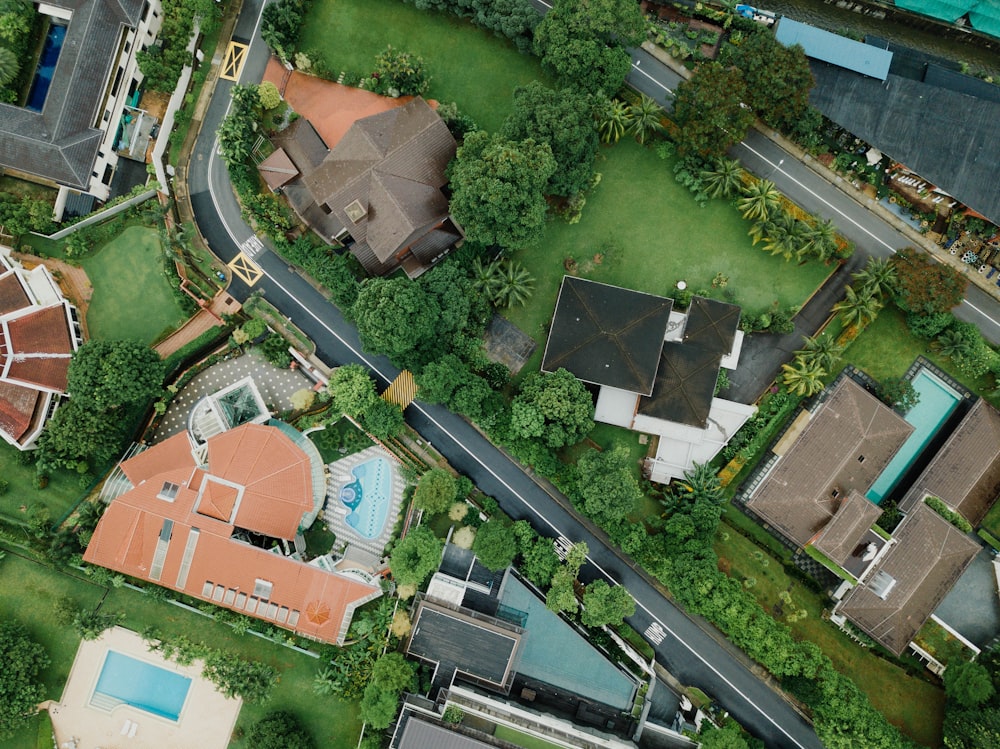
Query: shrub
{"x":269,"y":96}
{"x":952,"y":517}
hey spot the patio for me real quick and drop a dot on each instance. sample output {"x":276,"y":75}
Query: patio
{"x":362,"y":550}
{"x":207,"y":719}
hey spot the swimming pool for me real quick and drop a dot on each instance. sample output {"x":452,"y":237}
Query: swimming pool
{"x":368,"y":496}
{"x":46,"y":67}
{"x":937,"y":401}
{"x":125,"y":680}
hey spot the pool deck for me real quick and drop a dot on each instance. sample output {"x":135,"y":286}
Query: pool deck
{"x":335,"y":513}
{"x":206,"y":721}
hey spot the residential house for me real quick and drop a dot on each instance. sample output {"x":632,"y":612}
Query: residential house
{"x":656,"y":368}
{"x":39,"y":331}
{"x":68,"y":137}
{"x":217,"y":523}
{"x":380,"y":186}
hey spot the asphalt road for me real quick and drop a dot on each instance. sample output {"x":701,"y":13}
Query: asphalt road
{"x":691,"y":653}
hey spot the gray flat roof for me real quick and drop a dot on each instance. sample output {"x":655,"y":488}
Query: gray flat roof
{"x":419,"y":734}
{"x":456,"y":640}
{"x":834,"y":49}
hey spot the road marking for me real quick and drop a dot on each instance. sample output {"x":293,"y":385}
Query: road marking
{"x":248,"y":271}
{"x":635,"y":67}
{"x":252,"y":246}
{"x":654,"y":633}
{"x":232,"y":64}
{"x":513,"y":492}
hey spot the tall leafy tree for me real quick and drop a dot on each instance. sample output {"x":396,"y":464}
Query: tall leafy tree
{"x":351,"y":390}
{"x":858,"y":308}
{"x":436,"y":491}
{"x":923,"y":285}
{"x":498,"y":189}
{"x":108,"y":374}
{"x":778,"y":79}
{"x":710,"y":113}
{"x":397,"y":317}
{"x":878,"y":276}
{"x":607,"y":486}
{"x":606,"y":604}
{"x":645,"y":119}
{"x":968,"y":683}
{"x":581,"y":42}
{"x":9,"y":66}
{"x":392,"y":674}
{"x":613,"y":121}
{"x":21,"y":688}
{"x":563,"y":118}
{"x":279,"y":730}
{"x":415,"y":556}
{"x":553,"y":407}
{"x":512,"y":285}
{"x":496,"y":544}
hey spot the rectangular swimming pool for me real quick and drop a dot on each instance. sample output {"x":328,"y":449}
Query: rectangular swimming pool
{"x":46,"y":67}
{"x":937,"y":401}
{"x":126,"y":680}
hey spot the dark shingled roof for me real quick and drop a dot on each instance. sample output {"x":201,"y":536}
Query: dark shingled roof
{"x":607,"y":335}
{"x":685,"y":381}
{"x":797,"y":497}
{"x":841,"y":536}
{"x":393,"y":164}
{"x":946,"y":137}
{"x":480,"y":648}
{"x":929,"y":556}
{"x":277,"y":169}
{"x":965,"y":472}
{"x":419,"y":734}
{"x":60,"y":142}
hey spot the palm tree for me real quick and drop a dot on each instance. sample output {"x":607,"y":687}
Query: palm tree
{"x":10,"y":66}
{"x":878,"y":275}
{"x":783,"y":235}
{"x":614,"y":121}
{"x":759,"y":200}
{"x":484,"y":277}
{"x":822,"y":349}
{"x":723,"y":180}
{"x":644,"y":118}
{"x":701,"y":483}
{"x":514,"y":285}
{"x":858,"y":308}
{"x":953,"y":344}
{"x":821,"y":239}
{"x":803,"y":376}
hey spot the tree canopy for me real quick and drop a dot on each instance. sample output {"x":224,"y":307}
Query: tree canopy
{"x":498,"y":188}
{"x":925,"y":286}
{"x":968,"y":684}
{"x":395,"y":317}
{"x":607,"y":485}
{"x":709,"y":111}
{"x":391,"y":675}
{"x":436,"y":491}
{"x":581,"y":42}
{"x":495,"y":544}
{"x":415,"y":556}
{"x":279,"y":730}
{"x":351,"y":390}
{"x":21,"y":688}
{"x":606,"y":604}
{"x":553,"y":407}
{"x":109,"y":374}
{"x":563,"y":118}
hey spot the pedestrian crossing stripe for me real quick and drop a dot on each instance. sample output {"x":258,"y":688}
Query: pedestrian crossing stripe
{"x":232,"y":63}
{"x":655,"y":633}
{"x":247,"y":270}
{"x":252,"y":246}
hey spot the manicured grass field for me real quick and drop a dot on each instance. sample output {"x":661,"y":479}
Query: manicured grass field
{"x":652,"y":234}
{"x":131,"y":296}
{"x":29,"y":595}
{"x":61,"y":493}
{"x":30,"y":591}
{"x":914,"y":705}
{"x":466,"y":65}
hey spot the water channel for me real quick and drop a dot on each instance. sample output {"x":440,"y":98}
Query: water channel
{"x":828,"y":16}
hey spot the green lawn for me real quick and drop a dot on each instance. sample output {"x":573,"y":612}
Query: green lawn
{"x":132,"y":298}
{"x":61,"y":493}
{"x":30,"y":591}
{"x":466,"y":65}
{"x":339,"y":440}
{"x":523,"y":740}
{"x":29,"y":594}
{"x":886,"y":348}
{"x":914,"y":705}
{"x":652,"y":234}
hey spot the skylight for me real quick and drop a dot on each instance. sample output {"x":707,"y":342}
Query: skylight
{"x":169,"y":491}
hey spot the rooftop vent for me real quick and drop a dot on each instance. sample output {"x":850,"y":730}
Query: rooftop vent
{"x":355,"y":211}
{"x":882,"y":584}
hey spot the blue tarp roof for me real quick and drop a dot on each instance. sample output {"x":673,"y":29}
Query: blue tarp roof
{"x":834,"y":49}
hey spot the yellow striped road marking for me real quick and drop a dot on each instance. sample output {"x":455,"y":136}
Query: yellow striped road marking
{"x":232,"y":64}
{"x":248,"y":271}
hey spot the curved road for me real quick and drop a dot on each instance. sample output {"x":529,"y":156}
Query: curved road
{"x":692,"y":654}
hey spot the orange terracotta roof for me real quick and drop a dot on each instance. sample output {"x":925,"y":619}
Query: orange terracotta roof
{"x":49,"y":373}
{"x":17,"y":407}
{"x":12,"y":295}
{"x":185,"y":543}
{"x":45,"y":331}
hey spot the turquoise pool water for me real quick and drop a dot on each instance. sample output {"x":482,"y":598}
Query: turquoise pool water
{"x":46,"y":67}
{"x":369,"y":496}
{"x":937,"y":401}
{"x":142,"y":685}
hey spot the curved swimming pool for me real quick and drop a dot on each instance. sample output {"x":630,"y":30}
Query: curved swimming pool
{"x":368,"y":497}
